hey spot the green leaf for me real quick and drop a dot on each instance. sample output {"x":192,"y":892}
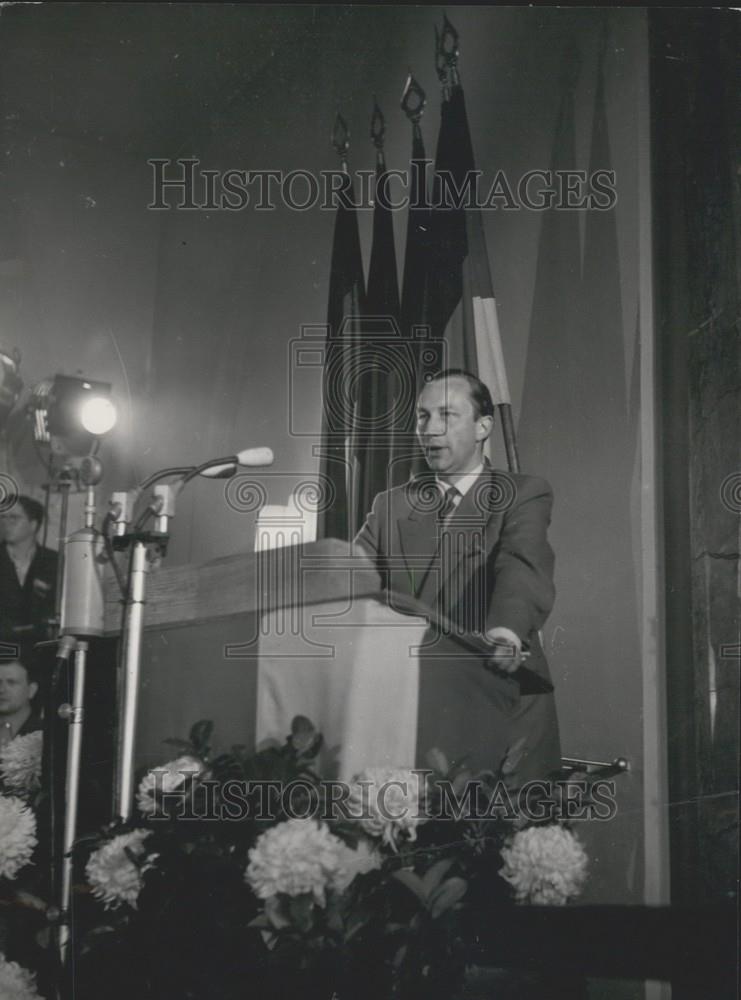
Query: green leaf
{"x":181,"y":745}
{"x":301,"y":910}
{"x":513,"y":756}
{"x":461,"y":780}
{"x":447,"y":895}
{"x":201,"y":733}
{"x":399,"y":957}
{"x":357,"y":922}
{"x":275,"y":912}
{"x":438,"y":761}
{"x":434,"y":875}
{"x":412,"y":882}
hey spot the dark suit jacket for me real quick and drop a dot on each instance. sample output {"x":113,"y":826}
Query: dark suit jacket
{"x":491,"y":566}
{"x":24,"y":610}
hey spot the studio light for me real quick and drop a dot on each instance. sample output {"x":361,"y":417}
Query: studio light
{"x":98,"y":415}
{"x":71,"y":412}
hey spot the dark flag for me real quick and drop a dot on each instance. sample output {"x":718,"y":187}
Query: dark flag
{"x":379,"y":355}
{"x":346,"y":305}
{"x":415,"y":294}
{"x":462,"y":309}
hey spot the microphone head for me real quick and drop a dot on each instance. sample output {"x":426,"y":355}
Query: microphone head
{"x":253,"y":457}
{"x":220,"y":471}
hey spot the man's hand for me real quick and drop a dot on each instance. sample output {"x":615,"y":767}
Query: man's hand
{"x":506,"y":652}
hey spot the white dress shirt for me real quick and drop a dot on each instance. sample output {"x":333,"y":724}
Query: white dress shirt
{"x":463,"y":485}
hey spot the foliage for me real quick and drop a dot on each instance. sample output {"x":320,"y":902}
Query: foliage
{"x":209,"y":896}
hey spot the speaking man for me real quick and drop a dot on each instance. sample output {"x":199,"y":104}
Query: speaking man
{"x":469,"y":541}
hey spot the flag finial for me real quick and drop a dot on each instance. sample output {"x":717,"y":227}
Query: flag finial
{"x":341,"y":138}
{"x":446,"y":53}
{"x":377,"y":126}
{"x":413,"y":100}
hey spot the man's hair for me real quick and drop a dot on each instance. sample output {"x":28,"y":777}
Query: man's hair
{"x":479,"y":392}
{"x":33,"y":510}
{"x":25,"y":664}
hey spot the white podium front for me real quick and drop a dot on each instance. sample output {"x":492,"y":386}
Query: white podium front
{"x":252,"y":641}
{"x":354,"y":672}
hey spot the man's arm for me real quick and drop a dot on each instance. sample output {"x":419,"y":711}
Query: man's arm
{"x":368,"y":538}
{"x":523,"y":591}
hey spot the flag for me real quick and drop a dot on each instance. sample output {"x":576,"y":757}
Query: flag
{"x":378,"y":363}
{"x":575,"y":432}
{"x":415,"y":309}
{"x":345,"y":307}
{"x":462,"y":310}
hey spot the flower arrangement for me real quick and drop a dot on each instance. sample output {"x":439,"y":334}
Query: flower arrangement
{"x":215,"y":884}
{"x":544,"y":864}
{"x":17,"y":835}
{"x":388,"y":801}
{"x":115,"y":870}
{"x":16,"y":983}
{"x":301,"y":856}
{"x":166,"y":779}
{"x":20,"y":764}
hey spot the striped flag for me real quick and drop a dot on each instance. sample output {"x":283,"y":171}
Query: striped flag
{"x":462,"y":307}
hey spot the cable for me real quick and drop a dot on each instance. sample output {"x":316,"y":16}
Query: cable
{"x":110,"y":552}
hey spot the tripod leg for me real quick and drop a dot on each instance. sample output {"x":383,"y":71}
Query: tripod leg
{"x":75,"y":717}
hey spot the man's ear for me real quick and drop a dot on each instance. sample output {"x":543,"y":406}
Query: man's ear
{"x":483,"y":428}
{"x":33,"y":688}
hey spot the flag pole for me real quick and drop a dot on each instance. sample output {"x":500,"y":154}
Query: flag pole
{"x":486,"y":325}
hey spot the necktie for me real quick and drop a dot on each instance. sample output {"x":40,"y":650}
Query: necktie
{"x":6,"y":734}
{"x":448,"y":504}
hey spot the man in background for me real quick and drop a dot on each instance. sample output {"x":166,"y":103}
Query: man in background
{"x":17,"y":690}
{"x":28,"y":574}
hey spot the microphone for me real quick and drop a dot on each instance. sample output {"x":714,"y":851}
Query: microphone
{"x":255,"y":457}
{"x":220,"y":471}
{"x":248,"y":458}
{"x":223,"y":468}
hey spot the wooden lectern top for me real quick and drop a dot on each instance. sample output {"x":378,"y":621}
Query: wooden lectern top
{"x":250,"y":582}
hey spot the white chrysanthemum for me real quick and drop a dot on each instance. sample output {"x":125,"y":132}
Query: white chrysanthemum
{"x":358,"y":861}
{"x":17,"y":835}
{"x":545,"y":864}
{"x":166,"y":778}
{"x":301,"y":856}
{"x":16,"y":983}
{"x":387,"y":803}
{"x":113,"y":876}
{"x":20,"y":763}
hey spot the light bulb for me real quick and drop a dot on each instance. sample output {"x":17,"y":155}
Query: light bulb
{"x":98,"y":415}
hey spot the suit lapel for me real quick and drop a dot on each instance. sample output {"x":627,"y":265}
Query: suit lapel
{"x":419,"y":530}
{"x":470,"y":535}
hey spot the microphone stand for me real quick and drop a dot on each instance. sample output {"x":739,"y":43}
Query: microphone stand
{"x":141,"y":543}
{"x":81,"y":616}
{"x":135,"y":599}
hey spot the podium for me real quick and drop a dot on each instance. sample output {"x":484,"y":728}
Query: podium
{"x":250,"y":641}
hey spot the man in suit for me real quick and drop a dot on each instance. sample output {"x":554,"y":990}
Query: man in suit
{"x":469,"y":542}
{"x":18,"y":717}
{"x":28,"y":575}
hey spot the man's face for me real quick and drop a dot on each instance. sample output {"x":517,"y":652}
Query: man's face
{"x":17,"y":527}
{"x":16,"y":691}
{"x":450,"y":433}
